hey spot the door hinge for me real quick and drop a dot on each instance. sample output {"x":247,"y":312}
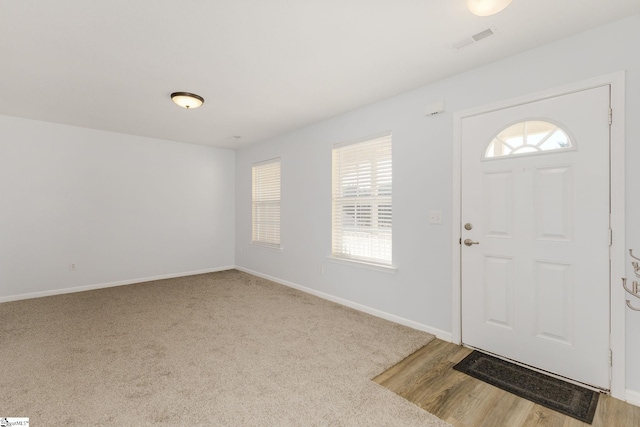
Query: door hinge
{"x":610,"y":115}
{"x":610,"y":357}
{"x":610,"y":237}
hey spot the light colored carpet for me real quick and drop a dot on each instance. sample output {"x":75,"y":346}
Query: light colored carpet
{"x":219,"y":349}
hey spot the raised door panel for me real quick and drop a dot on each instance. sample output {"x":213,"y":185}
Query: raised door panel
{"x":498,"y":194}
{"x":498,"y":291}
{"x":554,"y":285}
{"x":554,"y":201}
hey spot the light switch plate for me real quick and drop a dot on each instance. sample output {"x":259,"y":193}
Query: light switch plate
{"x":435,"y":217}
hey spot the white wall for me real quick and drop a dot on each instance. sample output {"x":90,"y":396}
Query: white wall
{"x":120,"y":207}
{"x":420,"y":291}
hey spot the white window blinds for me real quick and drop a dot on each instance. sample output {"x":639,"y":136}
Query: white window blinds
{"x":266,"y":203}
{"x":362,"y":208}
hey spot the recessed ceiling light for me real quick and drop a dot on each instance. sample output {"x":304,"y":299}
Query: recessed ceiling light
{"x":187,"y":100}
{"x":487,"y":7}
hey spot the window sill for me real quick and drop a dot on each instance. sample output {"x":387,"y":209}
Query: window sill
{"x":267,"y":246}
{"x":390,"y":269}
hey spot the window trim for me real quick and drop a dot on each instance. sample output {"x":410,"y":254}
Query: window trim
{"x":386,"y":268}
{"x":263,"y":243}
{"x":363,"y":262}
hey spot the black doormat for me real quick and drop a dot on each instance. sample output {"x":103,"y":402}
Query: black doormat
{"x":561,"y":396}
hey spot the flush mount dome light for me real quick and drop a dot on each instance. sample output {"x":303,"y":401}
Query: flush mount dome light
{"x":187,"y":100}
{"x":486,"y":7}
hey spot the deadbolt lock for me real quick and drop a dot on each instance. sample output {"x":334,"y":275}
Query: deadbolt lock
{"x":468,"y":226}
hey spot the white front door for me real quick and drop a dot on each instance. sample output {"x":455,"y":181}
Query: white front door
{"x":535,"y":212}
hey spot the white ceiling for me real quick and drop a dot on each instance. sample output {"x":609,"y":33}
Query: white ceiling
{"x":264,"y":67}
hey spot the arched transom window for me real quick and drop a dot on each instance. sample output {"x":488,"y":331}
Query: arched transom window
{"x":532,"y":136}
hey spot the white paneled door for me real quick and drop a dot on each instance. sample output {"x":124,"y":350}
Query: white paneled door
{"x":535,"y":234}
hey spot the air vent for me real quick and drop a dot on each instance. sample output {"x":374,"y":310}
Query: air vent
{"x":482,"y":34}
{"x":474,"y":38}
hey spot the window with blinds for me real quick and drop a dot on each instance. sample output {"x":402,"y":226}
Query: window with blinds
{"x":362,"y":208}
{"x":265,"y":204}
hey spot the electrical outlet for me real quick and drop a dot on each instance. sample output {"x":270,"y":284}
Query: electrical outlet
{"x":72,"y":266}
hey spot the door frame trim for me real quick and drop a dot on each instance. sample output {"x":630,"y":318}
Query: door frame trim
{"x":617,"y":251}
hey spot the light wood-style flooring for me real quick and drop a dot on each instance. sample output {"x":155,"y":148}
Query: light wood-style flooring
{"x":427,"y":379}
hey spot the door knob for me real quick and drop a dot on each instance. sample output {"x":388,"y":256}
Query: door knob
{"x":470,"y":242}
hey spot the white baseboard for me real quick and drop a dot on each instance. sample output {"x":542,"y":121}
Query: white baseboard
{"x":440,"y":334}
{"x":633,"y":397}
{"x":109,"y":285}
{"x":443,"y":335}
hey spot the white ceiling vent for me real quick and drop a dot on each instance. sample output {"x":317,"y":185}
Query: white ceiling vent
{"x":474,"y":38}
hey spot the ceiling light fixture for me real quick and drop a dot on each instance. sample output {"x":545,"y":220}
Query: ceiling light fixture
{"x":487,"y":7}
{"x":187,"y":100}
